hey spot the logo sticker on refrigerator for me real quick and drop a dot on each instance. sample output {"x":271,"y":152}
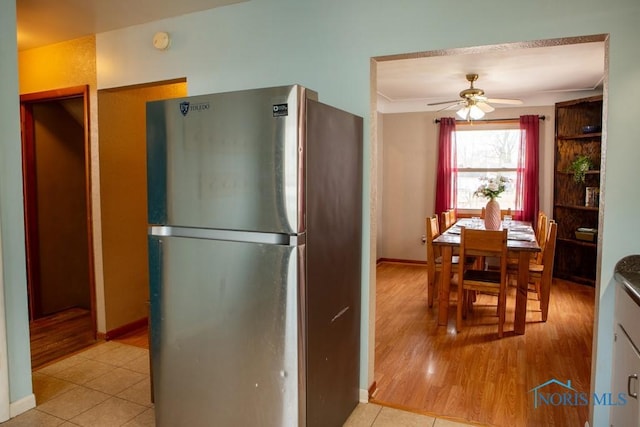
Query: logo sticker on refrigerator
{"x":280,"y":110}
{"x":186,"y":107}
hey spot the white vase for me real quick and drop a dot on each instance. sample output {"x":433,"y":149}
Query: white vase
{"x":492,"y":215}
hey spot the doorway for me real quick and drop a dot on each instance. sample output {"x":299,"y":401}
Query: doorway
{"x":57,"y":198}
{"x":123,"y":194}
{"x":440,"y":384}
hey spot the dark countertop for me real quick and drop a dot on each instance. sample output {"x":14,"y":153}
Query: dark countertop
{"x":627,"y":273}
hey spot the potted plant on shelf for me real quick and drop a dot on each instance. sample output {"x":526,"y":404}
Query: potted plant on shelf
{"x":579,"y":168}
{"x":491,"y":188}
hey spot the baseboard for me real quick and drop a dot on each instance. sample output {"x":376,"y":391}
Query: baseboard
{"x":123,"y":330}
{"x":366,"y":395}
{"x":372,"y":390}
{"x":400,"y":261}
{"x":23,"y":405}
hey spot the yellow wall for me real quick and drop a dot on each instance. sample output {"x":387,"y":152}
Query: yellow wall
{"x":59,"y":65}
{"x":123,"y":172}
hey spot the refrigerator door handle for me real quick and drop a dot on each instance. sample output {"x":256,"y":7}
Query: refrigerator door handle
{"x":228,"y":235}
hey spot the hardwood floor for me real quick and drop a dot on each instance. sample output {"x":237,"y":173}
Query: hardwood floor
{"x":67,"y":332}
{"x":59,"y":335}
{"x":473,"y":375}
{"x":138,"y":338}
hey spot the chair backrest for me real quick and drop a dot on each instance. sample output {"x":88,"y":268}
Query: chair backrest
{"x":541,"y":235}
{"x":476,"y":242}
{"x":433,"y":231}
{"x":548,"y":253}
{"x":541,"y":226}
{"x":446,"y":220}
{"x":483,"y":243}
{"x":453,"y":216}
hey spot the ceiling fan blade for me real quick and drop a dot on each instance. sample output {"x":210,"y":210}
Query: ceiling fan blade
{"x":450,"y":107}
{"x":485,"y":107}
{"x":455,"y":101}
{"x":505,"y":101}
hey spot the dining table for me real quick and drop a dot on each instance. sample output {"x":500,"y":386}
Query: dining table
{"x":521,"y":244}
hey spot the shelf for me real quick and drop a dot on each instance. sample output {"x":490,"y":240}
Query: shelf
{"x":578,"y":242}
{"x":577,"y":207}
{"x":576,"y":259}
{"x":581,"y":136}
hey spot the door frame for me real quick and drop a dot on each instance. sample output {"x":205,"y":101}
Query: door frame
{"x":375,"y":139}
{"x":27,"y":102}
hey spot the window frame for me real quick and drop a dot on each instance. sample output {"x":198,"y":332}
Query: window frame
{"x":498,"y":125}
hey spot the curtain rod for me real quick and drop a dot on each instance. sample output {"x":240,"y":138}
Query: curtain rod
{"x":514,"y":119}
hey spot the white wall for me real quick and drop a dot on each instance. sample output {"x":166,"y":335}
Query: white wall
{"x":380,"y":184}
{"x":327,"y":46}
{"x":409,"y":163}
{"x":410,"y":156}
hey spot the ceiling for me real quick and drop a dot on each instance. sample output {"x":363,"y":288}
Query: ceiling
{"x":536,"y":75}
{"x":539,"y":75}
{"x":42,"y":22}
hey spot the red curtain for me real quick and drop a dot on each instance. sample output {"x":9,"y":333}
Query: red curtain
{"x":447,"y":173}
{"x":527,"y":191}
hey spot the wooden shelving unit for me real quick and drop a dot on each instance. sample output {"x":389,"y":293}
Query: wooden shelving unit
{"x":576,"y":259}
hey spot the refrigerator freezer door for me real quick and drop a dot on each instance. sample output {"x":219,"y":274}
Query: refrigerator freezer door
{"x":228,"y":161}
{"x":224,"y":336}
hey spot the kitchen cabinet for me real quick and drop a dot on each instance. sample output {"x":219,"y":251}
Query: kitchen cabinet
{"x":625,"y":383}
{"x":578,"y":127}
{"x":625,"y":380}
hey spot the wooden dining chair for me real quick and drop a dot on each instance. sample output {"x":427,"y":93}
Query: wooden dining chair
{"x":434,"y":260}
{"x":541,"y":237}
{"x":446,"y":220}
{"x":453,"y":216}
{"x":540,"y":268}
{"x":541,"y":273}
{"x":485,"y":243}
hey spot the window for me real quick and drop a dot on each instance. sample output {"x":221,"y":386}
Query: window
{"x":486,"y":152}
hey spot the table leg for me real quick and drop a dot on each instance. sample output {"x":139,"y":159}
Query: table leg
{"x":445,"y":283}
{"x":522,"y":290}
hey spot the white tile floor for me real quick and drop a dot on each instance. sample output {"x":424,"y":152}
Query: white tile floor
{"x":108,"y":385}
{"x":105,"y":385}
{"x":370,"y":415}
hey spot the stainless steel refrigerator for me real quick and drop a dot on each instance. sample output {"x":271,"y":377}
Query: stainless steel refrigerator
{"x":254,"y":203}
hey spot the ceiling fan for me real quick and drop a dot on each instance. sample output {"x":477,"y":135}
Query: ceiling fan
{"x":474,"y":104}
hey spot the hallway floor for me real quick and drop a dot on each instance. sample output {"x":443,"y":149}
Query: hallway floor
{"x":108,"y":385}
{"x":105,"y":385}
{"x":55,"y":336}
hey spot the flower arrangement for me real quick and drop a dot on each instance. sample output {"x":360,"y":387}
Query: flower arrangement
{"x":492,"y":187}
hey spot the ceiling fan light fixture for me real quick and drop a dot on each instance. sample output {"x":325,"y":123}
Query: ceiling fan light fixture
{"x":475,"y":112}
{"x":463,"y":113}
{"x":470,"y":112}
{"x":474,"y":103}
